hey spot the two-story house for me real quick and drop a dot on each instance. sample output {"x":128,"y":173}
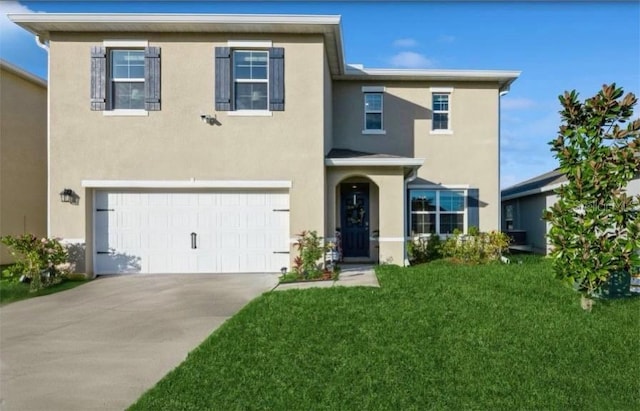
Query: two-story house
{"x":205,"y":143}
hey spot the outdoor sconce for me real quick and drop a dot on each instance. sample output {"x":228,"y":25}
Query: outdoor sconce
{"x":208,"y":119}
{"x":66,"y":195}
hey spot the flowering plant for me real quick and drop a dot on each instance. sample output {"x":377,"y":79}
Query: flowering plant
{"x":40,"y":260}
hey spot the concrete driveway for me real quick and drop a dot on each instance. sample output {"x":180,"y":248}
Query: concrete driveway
{"x":101,"y":345}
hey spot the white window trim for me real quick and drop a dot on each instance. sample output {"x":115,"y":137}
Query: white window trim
{"x":250,"y":113}
{"x":437,"y":213}
{"x":249,"y":44}
{"x":380,"y":130}
{"x":439,"y":186}
{"x":126,"y":113}
{"x":125,"y":43}
{"x":441,"y":91}
{"x":116,"y":46}
{"x":260,"y":113}
{"x":373,"y":89}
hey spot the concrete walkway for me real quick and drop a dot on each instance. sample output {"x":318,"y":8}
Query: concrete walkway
{"x":351,"y":275}
{"x":101,"y":345}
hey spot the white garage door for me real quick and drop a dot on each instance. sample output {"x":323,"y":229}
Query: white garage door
{"x":186,"y":232}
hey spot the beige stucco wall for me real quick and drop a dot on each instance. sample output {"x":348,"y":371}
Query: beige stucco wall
{"x":23,"y":157}
{"x":469,"y":156}
{"x":386,"y":200}
{"x":174,"y":144}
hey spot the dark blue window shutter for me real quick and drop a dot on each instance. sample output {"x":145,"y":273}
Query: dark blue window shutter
{"x":223,"y":79}
{"x":473,"y":210}
{"x":152,"y":78}
{"x":98,"y":78}
{"x":276,"y":79}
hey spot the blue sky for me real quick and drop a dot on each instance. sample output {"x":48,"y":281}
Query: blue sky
{"x":557,"y":46}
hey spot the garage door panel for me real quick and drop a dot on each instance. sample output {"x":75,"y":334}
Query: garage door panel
{"x":151,"y":232}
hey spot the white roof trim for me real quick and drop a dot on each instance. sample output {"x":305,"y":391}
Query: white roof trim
{"x":186,"y":183}
{"x":12,"y":68}
{"x":533,"y":191}
{"x":374,"y":161}
{"x":174,"y":18}
{"x":434,"y":73}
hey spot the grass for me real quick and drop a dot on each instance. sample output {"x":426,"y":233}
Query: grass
{"x":12,"y":291}
{"x":435,"y":336}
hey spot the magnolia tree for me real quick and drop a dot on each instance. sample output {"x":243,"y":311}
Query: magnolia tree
{"x":595,"y":225}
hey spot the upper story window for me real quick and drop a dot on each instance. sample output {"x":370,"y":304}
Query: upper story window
{"x":248,"y":80}
{"x":373,"y":110}
{"x":125,"y":77}
{"x":440,"y":110}
{"x":251,"y":80}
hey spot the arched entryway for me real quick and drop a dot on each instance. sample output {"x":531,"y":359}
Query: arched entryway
{"x":356,"y":218}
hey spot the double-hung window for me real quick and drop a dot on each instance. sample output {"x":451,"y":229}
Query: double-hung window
{"x":249,"y":80}
{"x":373,"y":110}
{"x":125,"y":77}
{"x":437,"y":211}
{"x":441,"y":110}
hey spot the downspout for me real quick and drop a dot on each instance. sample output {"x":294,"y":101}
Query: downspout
{"x":503,"y":92}
{"x":413,"y":174}
{"x":44,"y":44}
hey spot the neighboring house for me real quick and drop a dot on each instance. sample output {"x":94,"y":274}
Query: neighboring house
{"x":524,"y":203}
{"x":23,"y":154}
{"x":206,"y":143}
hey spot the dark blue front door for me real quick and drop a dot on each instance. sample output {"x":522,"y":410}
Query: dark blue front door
{"x":354,"y":216}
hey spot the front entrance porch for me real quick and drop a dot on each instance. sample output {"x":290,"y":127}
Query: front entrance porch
{"x":366,"y":204}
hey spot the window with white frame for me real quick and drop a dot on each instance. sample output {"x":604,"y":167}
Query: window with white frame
{"x":127,"y":79}
{"x":436,"y":211}
{"x":373,"y":103}
{"x":440,"y":111}
{"x":251,"y":79}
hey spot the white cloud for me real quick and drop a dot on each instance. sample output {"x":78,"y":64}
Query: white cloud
{"x":410,"y":59}
{"x":7,"y":27}
{"x":405,"y":42}
{"x":445,"y":38}
{"x":517,"y":103}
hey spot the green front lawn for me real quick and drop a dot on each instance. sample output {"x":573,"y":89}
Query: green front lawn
{"x":12,"y":291}
{"x":435,"y":336}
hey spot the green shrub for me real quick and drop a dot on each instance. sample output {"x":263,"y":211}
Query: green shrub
{"x":424,"y":249}
{"x":476,"y":247}
{"x":41,"y":260}
{"x":311,"y":249}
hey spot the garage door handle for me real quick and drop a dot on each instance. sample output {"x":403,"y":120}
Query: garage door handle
{"x":194,"y":241}
{"x":281,"y":252}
